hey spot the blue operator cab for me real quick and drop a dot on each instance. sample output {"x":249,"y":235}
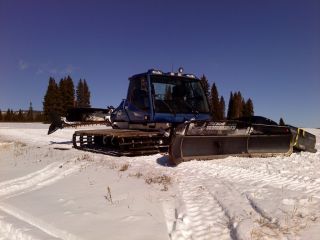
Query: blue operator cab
{"x":155,"y":98}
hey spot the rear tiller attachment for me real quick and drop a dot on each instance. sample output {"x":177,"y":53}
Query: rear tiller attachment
{"x":209,"y":140}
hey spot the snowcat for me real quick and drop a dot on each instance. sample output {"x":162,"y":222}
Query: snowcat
{"x":169,"y":112}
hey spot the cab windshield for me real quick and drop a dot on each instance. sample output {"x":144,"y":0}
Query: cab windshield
{"x":178,"y":95}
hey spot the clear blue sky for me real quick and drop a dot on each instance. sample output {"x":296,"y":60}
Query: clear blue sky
{"x":269,"y":50}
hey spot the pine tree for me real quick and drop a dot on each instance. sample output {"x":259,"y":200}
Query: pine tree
{"x":215,"y":104}
{"x":52,"y":103}
{"x":83,"y":94}
{"x":281,"y":122}
{"x":20,"y":117}
{"x":13,"y":117}
{"x":205,"y":85}
{"x":1,"y":117}
{"x":230,"y":114}
{"x":248,"y":110}
{"x":243,"y":108}
{"x":237,"y":104}
{"x":79,"y":94}
{"x":7,"y":117}
{"x":39,"y":117}
{"x":238,"y":107}
{"x":222,"y":106}
{"x":30,"y":117}
{"x":66,"y":88}
{"x":86,"y":94}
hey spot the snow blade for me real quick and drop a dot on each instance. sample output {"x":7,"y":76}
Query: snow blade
{"x":303,"y":140}
{"x":56,"y":123}
{"x":208,"y":140}
{"x":80,"y":117}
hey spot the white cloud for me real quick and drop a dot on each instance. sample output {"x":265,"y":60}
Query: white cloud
{"x":23,"y":65}
{"x":56,"y":71}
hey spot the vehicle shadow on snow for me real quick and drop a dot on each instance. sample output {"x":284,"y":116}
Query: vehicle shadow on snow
{"x":61,"y":143}
{"x":64,"y":142}
{"x":164,"y":161}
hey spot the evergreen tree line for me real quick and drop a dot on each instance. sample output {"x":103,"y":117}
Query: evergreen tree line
{"x":21,"y":116}
{"x":61,"y":96}
{"x":237,"y":106}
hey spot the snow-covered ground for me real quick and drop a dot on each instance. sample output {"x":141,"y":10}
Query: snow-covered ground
{"x":48,"y":190}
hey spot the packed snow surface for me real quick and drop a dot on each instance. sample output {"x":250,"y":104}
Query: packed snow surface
{"x":48,"y":190}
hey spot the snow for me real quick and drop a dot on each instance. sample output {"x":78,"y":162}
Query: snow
{"x":48,"y":190}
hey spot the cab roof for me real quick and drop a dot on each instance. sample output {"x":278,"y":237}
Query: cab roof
{"x":168,"y":74}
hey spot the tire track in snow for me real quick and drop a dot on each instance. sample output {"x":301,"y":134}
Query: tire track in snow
{"x":13,"y":228}
{"x":208,"y":205}
{"x":259,"y":179}
{"x":28,"y":176}
{"x":15,"y":224}
{"x":205,"y":215}
{"x":46,"y":176}
{"x":200,"y":215}
{"x":244,"y":213}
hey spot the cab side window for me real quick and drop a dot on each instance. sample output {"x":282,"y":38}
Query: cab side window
{"x":138,"y":93}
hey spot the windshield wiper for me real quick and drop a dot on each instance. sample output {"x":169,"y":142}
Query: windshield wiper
{"x":168,"y":106}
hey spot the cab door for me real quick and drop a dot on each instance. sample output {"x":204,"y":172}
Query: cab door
{"x":138,"y":105}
